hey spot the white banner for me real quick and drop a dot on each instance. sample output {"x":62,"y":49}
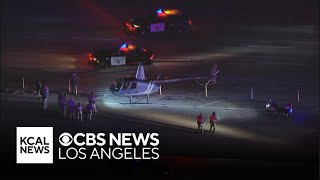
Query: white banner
{"x":118,"y":60}
{"x":158,"y":27}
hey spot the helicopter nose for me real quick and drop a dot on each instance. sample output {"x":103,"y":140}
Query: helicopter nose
{"x":113,"y":88}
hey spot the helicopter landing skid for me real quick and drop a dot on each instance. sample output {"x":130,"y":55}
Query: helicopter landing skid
{"x":133,"y":103}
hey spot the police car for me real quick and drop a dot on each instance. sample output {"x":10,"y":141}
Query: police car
{"x":164,"y":20}
{"x":126,"y":54}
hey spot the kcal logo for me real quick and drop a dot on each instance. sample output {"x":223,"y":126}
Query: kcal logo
{"x":34,"y":145}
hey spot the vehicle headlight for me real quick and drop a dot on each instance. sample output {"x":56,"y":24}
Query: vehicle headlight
{"x":94,"y":59}
{"x":136,"y":26}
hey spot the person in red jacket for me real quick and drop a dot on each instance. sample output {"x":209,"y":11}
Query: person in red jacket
{"x":200,"y":122}
{"x":213,"y":119}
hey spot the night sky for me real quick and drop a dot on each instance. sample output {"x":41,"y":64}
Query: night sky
{"x":228,"y":11}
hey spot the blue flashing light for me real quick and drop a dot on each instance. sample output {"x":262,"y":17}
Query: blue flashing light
{"x":123,"y":46}
{"x":290,"y":110}
{"x":159,"y":11}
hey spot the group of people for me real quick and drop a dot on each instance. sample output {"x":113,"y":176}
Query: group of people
{"x":212,"y":120}
{"x":69,"y":108}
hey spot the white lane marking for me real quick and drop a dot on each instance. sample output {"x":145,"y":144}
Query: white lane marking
{"x":279,"y":63}
{"x":213,"y":102}
{"x":189,"y":106}
{"x":263,"y":46}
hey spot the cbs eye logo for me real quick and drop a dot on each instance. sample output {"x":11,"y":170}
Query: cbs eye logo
{"x":65,"y":139}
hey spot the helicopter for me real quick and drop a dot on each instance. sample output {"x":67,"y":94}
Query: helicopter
{"x":140,"y":86}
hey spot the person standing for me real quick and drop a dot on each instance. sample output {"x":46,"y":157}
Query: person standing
{"x":44,"y":96}
{"x":200,"y":122}
{"x":74,"y":83}
{"x":79,"y":111}
{"x":89,"y":108}
{"x":60,"y":95}
{"x":63,"y":105}
{"x":38,"y":88}
{"x":213,"y":121}
{"x":92,"y":100}
{"x":71,"y":108}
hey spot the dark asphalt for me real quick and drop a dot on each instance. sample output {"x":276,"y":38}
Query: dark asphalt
{"x":182,"y":150}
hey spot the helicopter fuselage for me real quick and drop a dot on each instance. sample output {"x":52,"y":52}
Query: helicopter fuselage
{"x":134,"y":88}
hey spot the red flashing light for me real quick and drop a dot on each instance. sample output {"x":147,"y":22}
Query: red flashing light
{"x":151,"y":57}
{"x":162,"y":14}
{"x":189,"y":22}
{"x":90,"y":56}
{"x":124,"y":49}
{"x":130,"y":27}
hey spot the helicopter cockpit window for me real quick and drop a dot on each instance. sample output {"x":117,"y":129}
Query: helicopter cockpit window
{"x":133,"y":86}
{"x":118,"y":85}
{"x":126,"y":85}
